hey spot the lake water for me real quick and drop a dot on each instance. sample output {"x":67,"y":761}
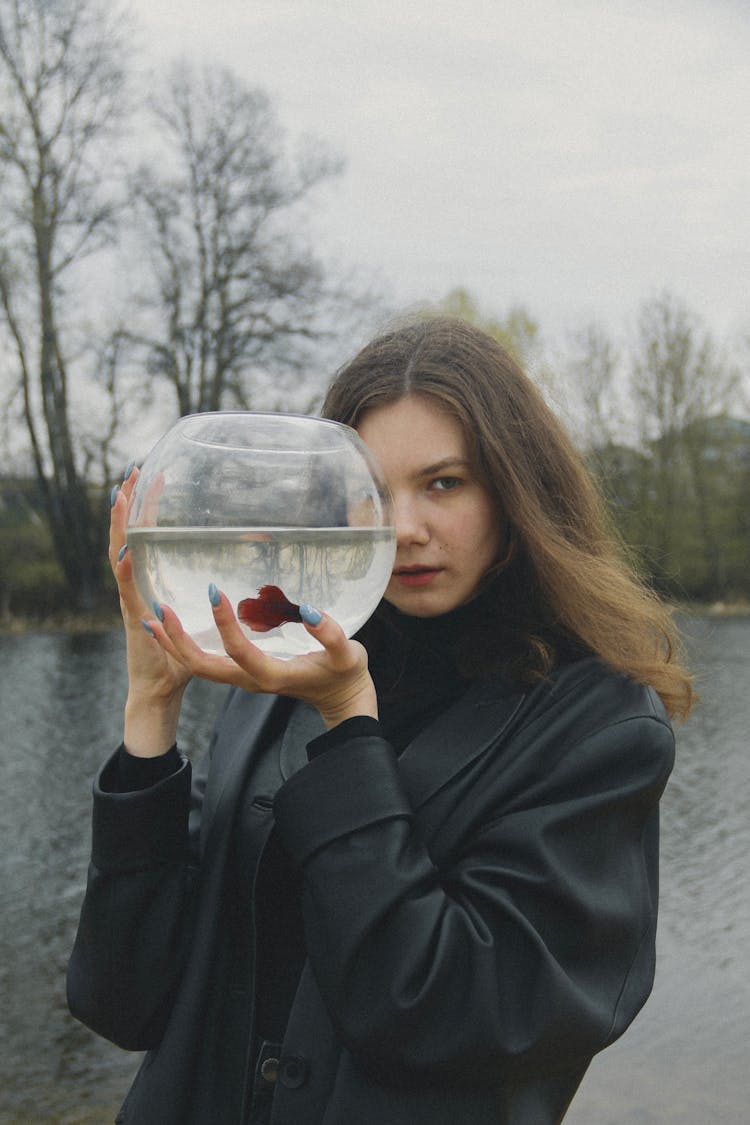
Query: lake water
{"x":684,"y":1060}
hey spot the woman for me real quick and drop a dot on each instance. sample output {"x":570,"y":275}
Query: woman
{"x":416,"y":878}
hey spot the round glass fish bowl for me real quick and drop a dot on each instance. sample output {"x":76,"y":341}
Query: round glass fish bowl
{"x":277,"y":510}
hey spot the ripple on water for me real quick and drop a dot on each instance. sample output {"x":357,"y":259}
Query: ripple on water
{"x":682,"y":1061}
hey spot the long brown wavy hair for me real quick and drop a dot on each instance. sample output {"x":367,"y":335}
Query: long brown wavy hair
{"x":564,"y":584}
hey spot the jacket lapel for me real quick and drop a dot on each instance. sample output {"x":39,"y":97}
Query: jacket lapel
{"x":457,"y":737}
{"x":437,"y":754}
{"x":303,"y":725}
{"x":238,"y":739}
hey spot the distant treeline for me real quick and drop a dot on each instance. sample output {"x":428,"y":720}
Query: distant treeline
{"x":681,"y":507}
{"x":33,"y":586}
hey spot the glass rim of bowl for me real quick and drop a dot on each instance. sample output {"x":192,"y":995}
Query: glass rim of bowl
{"x":277,"y":442}
{"x":272,"y":416}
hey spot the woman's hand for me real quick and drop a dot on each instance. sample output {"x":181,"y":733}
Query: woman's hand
{"x":335,"y":681}
{"x":156,"y":680}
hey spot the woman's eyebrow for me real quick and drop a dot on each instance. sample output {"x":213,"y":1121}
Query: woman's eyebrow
{"x":441,"y":466}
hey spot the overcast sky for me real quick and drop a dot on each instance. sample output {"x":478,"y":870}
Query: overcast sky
{"x":577,"y":156}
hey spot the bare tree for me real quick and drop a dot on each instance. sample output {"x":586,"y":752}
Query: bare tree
{"x":61,"y":83}
{"x":592,"y":367}
{"x":679,"y":386}
{"x":234,"y":291}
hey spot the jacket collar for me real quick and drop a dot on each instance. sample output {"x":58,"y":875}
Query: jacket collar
{"x":445,"y":747}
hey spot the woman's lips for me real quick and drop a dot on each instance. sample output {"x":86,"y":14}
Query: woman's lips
{"x":415,"y":575}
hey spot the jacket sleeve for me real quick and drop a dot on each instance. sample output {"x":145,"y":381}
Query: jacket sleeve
{"x":530,"y":945}
{"x":132,"y":933}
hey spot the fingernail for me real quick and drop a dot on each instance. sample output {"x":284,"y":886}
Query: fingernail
{"x":113,"y":495}
{"x":129,"y":470}
{"x":122,"y":552}
{"x":147,"y":627}
{"x":310,"y":615}
{"x":158,"y":610}
{"x":213,"y":595}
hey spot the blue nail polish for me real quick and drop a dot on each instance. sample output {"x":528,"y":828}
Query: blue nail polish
{"x":129,"y":470}
{"x":310,"y":615}
{"x":113,"y":495}
{"x":147,"y":627}
{"x":122,"y":552}
{"x":159,"y":612}
{"x":213,"y":595}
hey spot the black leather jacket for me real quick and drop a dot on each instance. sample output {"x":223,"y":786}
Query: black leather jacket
{"x":479,"y":913}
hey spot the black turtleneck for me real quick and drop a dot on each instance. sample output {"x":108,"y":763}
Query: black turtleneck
{"x":415,"y":669}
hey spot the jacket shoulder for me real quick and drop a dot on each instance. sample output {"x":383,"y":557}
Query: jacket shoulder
{"x":589,"y":685}
{"x":587,"y":702}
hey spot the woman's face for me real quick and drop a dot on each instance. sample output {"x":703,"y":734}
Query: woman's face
{"x":447,"y":530}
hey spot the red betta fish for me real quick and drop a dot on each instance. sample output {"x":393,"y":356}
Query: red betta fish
{"x":270,"y":609}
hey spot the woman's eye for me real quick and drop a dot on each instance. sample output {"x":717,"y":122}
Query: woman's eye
{"x":445,"y":484}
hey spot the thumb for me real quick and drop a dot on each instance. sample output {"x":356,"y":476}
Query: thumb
{"x":343,"y":653}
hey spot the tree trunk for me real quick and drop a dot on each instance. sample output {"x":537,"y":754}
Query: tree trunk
{"x":69,"y":509}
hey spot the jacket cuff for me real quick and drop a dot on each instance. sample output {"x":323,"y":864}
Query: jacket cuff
{"x":139,"y":773}
{"x":141,"y":828}
{"x":358,"y":726}
{"x":348,"y":788}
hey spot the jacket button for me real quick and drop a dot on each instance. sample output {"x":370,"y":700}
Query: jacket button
{"x":269,"y":1069}
{"x":292,"y":1071}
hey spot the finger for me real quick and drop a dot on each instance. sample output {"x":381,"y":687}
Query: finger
{"x":120,"y":503}
{"x":168,"y":631}
{"x":164,"y":626}
{"x":131,"y":601}
{"x":129,"y":480}
{"x":132,"y":604}
{"x":342,"y":653}
{"x":116,"y":525}
{"x":149,"y":512}
{"x":263,"y":670}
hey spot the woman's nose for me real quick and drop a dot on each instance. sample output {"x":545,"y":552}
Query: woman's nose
{"x":411,"y":526}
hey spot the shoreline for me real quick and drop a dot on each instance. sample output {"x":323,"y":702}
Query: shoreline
{"x":106,"y":623}
{"x":64,"y":623}
{"x":711,"y":609}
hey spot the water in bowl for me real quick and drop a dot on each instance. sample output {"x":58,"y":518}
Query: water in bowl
{"x":341,"y":570}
